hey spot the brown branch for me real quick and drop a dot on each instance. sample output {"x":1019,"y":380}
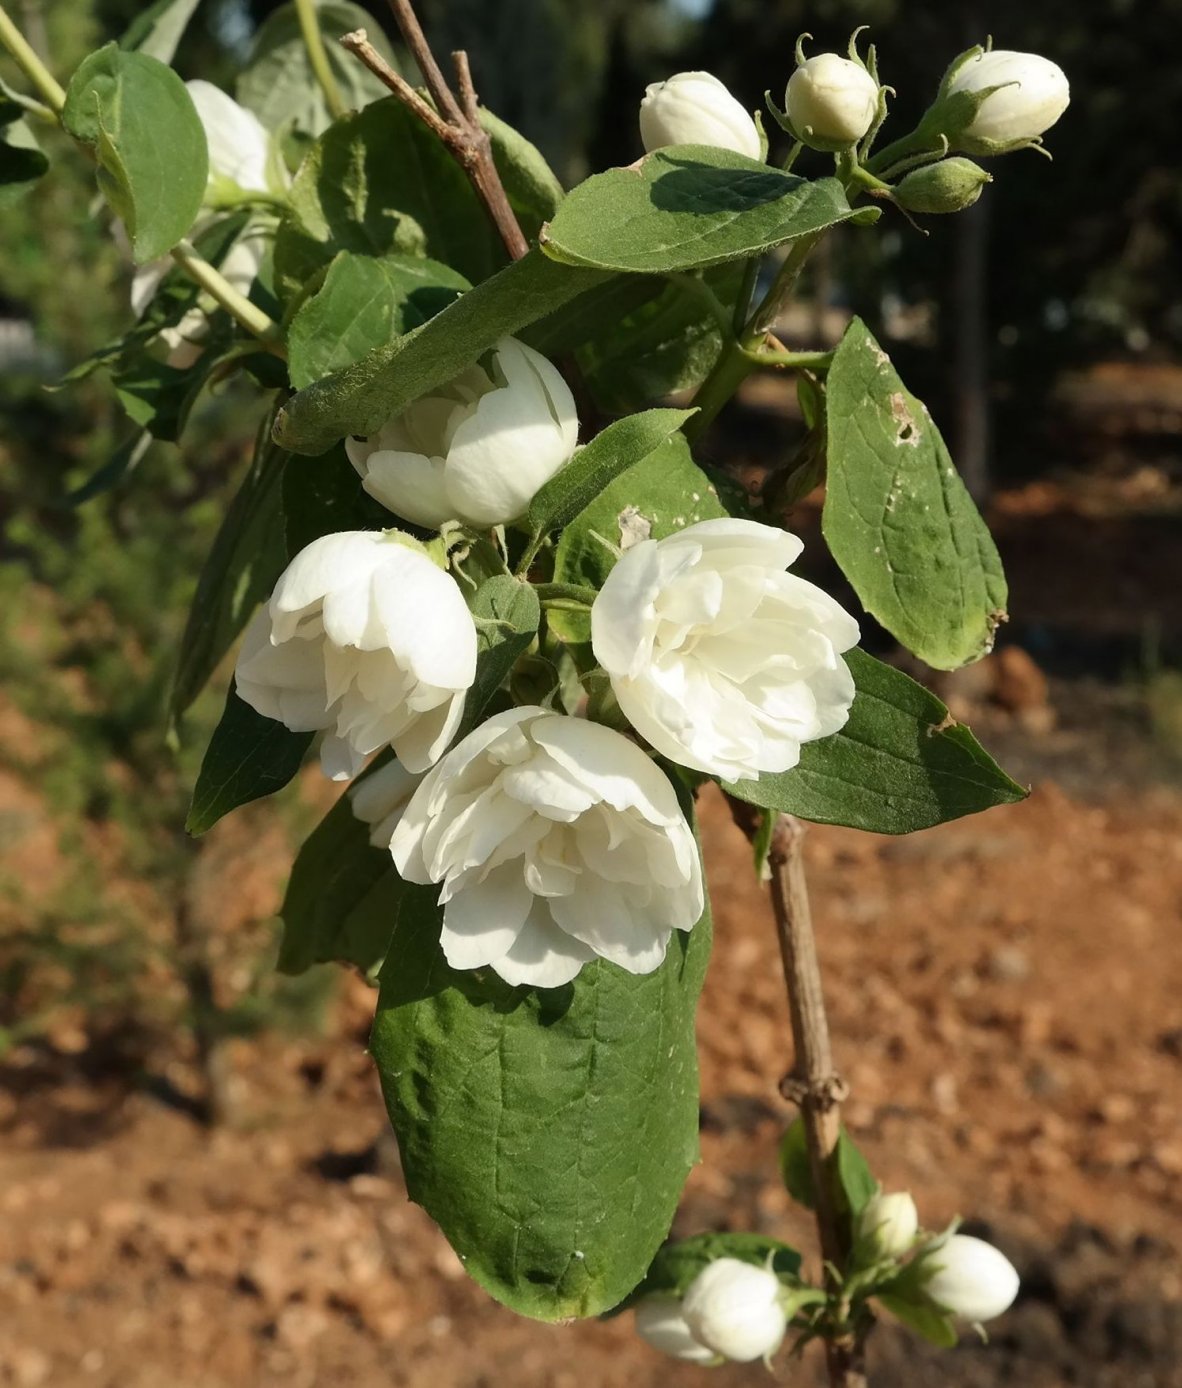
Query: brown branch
{"x":458,"y":128}
{"x":812,"y":1083}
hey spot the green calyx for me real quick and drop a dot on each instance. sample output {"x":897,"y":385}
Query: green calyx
{"x":949,"y":186}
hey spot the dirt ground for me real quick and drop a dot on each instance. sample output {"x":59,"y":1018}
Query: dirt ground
{"x":1005,"y":995}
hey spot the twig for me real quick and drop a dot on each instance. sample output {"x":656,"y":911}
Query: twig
{"x":812,"y":1083}
{"x":458,"y":127}
{"x":236,"y":304}
{"x":30,"y":64}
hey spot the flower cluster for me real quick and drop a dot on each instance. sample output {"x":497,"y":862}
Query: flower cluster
{"x":554,"y":840}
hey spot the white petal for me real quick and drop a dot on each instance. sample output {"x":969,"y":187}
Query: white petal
{"x":329,"y":563}
{"x":481,"y":923}
{"x":425,"y":619}
{"x":613,"y":923}
{"x":608,"y":764}
{"x":239,"y":146}
{"x":542,"y":956}
{"x":409,"y":484}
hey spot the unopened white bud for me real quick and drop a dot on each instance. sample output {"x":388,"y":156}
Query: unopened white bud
{"x":734,"y":1308}
{"x":970,"y":1278}
{"x":659,"y":1322}
{"x":831,"y":101}
{"x":694,"y":108}
{"x":888,"y":1224}
{"x":1033,"y":94}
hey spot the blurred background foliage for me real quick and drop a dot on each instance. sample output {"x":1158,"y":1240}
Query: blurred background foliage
{"x":1058,"y":269}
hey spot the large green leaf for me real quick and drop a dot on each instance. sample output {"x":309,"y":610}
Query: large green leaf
{"x":613,"y":451}
{"x":157,"y":29}
{"x":135,"y":114}
{"x":901,"y":763}
{"x":593,"y":314}
{"x":548,"y":1132}
{"x":249,"y":756}
{"x":246,"y":559}
{"x":379,"y":183}
{"x":342,"y":900}
{"x":897,"y":516}
{"x":364,"y":302}
{"x":359,"y":399}
{"x":21,"y":160}
{"x":689,"y":206}
{"x":278,"y":83}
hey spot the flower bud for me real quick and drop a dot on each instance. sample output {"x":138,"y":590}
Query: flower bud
{"x":831,"y":101}
{"x":659,"y":1322}
{"x":694,"y":108}
{"x":969,"y":1278}
{"x":888,"y":1224}
{"x":734,"y":1308}
{"x":1032,"y":94}
{"x":476,"y":449}
{"x":949,"y":186}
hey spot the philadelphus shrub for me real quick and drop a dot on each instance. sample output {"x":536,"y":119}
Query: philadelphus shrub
{"x":366,"y":637}
{"x":723,"y":661}
{"x":695,"y":108}
{"x":476,"y":449}
{"x":529,"y":702}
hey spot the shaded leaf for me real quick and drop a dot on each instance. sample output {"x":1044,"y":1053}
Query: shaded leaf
{"x":157,"y":29}
{"x":899,"y":764}
{"x":533,"y":189}
{"x":21,"y":161}
{"x":506,"y":613}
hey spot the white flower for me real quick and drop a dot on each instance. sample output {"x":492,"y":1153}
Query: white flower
{"x":694,"y":108}
{"x":381,"y":798}
{"x":556,"y":841}
{"x":659,"y":1322}
{"x":723,"y":661}
{"x":970,"y":1278}
{"x":241,"y":149}
{"x":831,"y":101}
{"x":1034,"y":93}
{"x":888,"y":1224}
{"x":734,"y":1308}
{"x":366,"y":637}
{"x":477,"y":448}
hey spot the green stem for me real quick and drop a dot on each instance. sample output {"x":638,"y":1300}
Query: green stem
{"x":798,"y":361}
{"x":701,"y":291}
{"x":237,"y":305}
{"x":318,"y":57}
{"x":782,"y":286}
{"x":730,"y":371}
{"x":30,"y":64}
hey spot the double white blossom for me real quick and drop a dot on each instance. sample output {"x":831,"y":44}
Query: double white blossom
{"x":1032,"y":94}
{"x":831,"y":101}
{"x":366,"y":638}
{"x":476,"y":449}
{"x":555,"y":841}
{"x":381,"y":798}
{"x":969,"y":1278}
{"x":695,"y":108}
{"x":720,"y":659}
{"x":736,"y":1310}
{"x":659,"y":1323}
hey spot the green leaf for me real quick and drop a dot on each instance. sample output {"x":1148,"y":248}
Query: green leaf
{"x":936,"y":1327}
{"x":135,"y":114}
{"x":249,"y":756}
{"x":593,"y":313}
{"x":122,"y":463}
{"x":677,"y":1264}
{"x":278,"y":83}
{"x":359,"y":399}
{"x":157,"y":29}
{"x":533,"y":190}
{"x":689,"y":206}
{"x":364,"y":302}
{"x":506,"y":613}
{"x":380,"y":183}
{"x":548,"y":1132}
{"x":854,"y":1183}
{"x":668,"y":344}
{"x":21,"y":160}
{"x":897,"y":516}
{"x":243,"y":565}
{"x":613,"y":451}
{"x":342,"y":901}
{"x":901,"y":763}
{"x":324,"y":495}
